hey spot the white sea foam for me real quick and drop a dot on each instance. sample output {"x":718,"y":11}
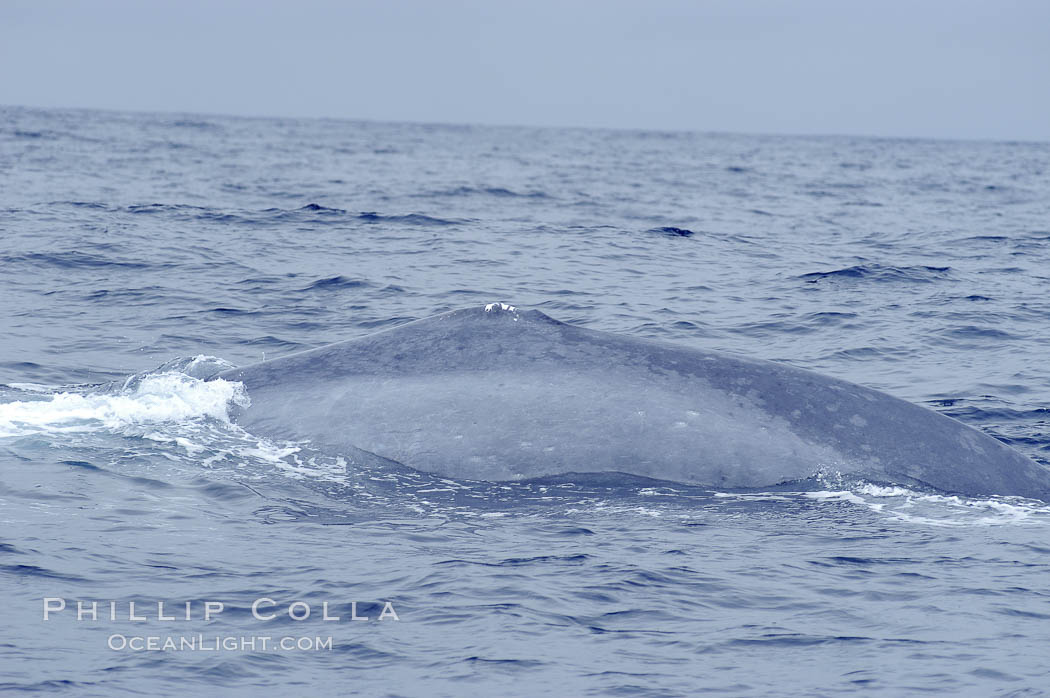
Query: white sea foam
{"x":170,"y":415}
{"x":930,"y":509}
{"x":31,"y":387}
{"x":840,"y":496}
{"x":155,"y":398}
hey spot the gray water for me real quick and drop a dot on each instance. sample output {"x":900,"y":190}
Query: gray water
{"x":140,"y":253}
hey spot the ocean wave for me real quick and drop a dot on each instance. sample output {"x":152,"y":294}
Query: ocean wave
{"x":407,"y":219}
{"x":75,"y":259}
{"x":336,"y":283}
{"x":671,"y":231}
{"x":880,"y":273}
{"x":310,"y":212}
{"x":499,"y":192}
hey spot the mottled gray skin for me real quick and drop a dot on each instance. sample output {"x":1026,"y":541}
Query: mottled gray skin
{"x":501,"y":394}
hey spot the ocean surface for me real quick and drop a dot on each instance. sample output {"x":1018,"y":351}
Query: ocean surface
{"x":140,"y":253}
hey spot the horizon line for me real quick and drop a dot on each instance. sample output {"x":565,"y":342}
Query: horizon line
{"x":551,"y":127}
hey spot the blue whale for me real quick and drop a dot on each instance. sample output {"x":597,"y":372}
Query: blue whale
{"x":494,"y":393}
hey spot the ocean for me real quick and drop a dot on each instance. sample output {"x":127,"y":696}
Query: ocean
{"x":141,"y":253}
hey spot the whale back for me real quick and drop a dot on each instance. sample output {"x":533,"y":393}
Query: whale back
{"x":495,"y":393}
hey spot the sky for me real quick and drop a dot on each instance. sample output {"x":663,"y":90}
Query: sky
{"x":922,"y":68}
